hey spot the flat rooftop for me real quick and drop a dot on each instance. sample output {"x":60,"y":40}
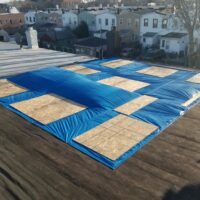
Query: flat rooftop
{"x":36,"y":165}
{"x":13,"y":60}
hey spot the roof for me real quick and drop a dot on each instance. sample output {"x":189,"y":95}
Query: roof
{"x":99,"y":12}
{"x":28,"y":59}
{"x":91,"y":42}
{"x":167,"y":165}
{"x":174,"y":35}
{"x":101,"y":31}
{"x":147,"y":11}
{"x":149,"y":34}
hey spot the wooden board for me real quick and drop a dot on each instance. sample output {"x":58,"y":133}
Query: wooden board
{"x":190,"y":101}
{"x":117,"y":63}
{"x":195,"y":79}
{"x":73,"y":67}
{"x":116,"y":136}
{"x":7,"y":88}
{"x":48,"y":108}
{"x":123,"y":83}
{"x":135,"y":104}
{"x":157,"y":71}
{"x":81,"y":69}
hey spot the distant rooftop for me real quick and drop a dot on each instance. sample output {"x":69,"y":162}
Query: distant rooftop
{"x":149,"y":34}
{"x":13,"y":60}
{"x":92,"y":42}
{"x":175,"y":35}
{"x":99,"y":12}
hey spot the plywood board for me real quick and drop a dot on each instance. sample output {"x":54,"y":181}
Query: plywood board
{"x":195,"y":79}
{"x":190,"y":101}
{"x":48,"y":108}
{"x":74,"y":67}
{"x":87,"y":71}
{"x":158,"y":71}
{"x":7,"y":88}
{"x":117,"y":63}
{"x":124,"y":83}
{"x":116,"y":136}
{"x":81,"y":69}
{"x":135,"y":104}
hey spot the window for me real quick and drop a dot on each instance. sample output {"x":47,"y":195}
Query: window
{"x":99,"y":20}
{"x":129,"y":21}
{"x":34,"y":19}
{"x":136,"y":23}
{"x":163,"y":43}
{"x":30,"y":19}
{"x":121,"y":21}
{"x":146,"y":22}
{"x":167,"y":45}
{"x":155,"y":23}
{"x":113,"y":22}
{"x":144,"y":40}
{"x":10,"y":21}
{"x":26,"y":18}
{"x":164,"y":23}
{"x":106,"y":22}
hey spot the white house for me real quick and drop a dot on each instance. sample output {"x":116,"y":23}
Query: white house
{"x":153,"y":22}
{"x":98,"y":19}
{"x":150,"y":39}
{"x":106,"y":21}
{"x":30,"y":17}
{"x":174,"y":42}
{"x":70,"y":19}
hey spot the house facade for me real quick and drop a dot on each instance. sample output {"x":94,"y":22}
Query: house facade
{"x":153,"y":22}
{"x":128,"y":25}
{"x":92,"y":46}
{"x":11,"y":20}
{"x":174,"y":42}
{"x":70,"y":19}
{"x":150,"y":39}
{"x":42,"y":17}
{"x":98,"y":20}
{"x":30,"y":17}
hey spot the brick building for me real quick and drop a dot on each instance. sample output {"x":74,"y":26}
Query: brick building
{"x":11,"y":20}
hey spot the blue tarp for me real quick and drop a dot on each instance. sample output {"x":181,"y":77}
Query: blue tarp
{"x":101,"y":100}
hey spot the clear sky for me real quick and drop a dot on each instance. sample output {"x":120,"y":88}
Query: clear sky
{"x":4,"y":1}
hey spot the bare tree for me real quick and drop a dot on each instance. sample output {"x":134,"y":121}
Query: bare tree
{"x":189,"y":13}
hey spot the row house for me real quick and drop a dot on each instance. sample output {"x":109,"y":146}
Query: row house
{"x":70,"y":19}
{"x":30,"y":17}
{"x":174,"y":42}
{"x":128,"y":25}
{"x":58,"y":17}
{"x":11,"y":20}
{"x":163,"y":30}
{"x":98,"y":20}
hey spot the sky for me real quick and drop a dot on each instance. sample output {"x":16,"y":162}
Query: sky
{"x":5,"y":1}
